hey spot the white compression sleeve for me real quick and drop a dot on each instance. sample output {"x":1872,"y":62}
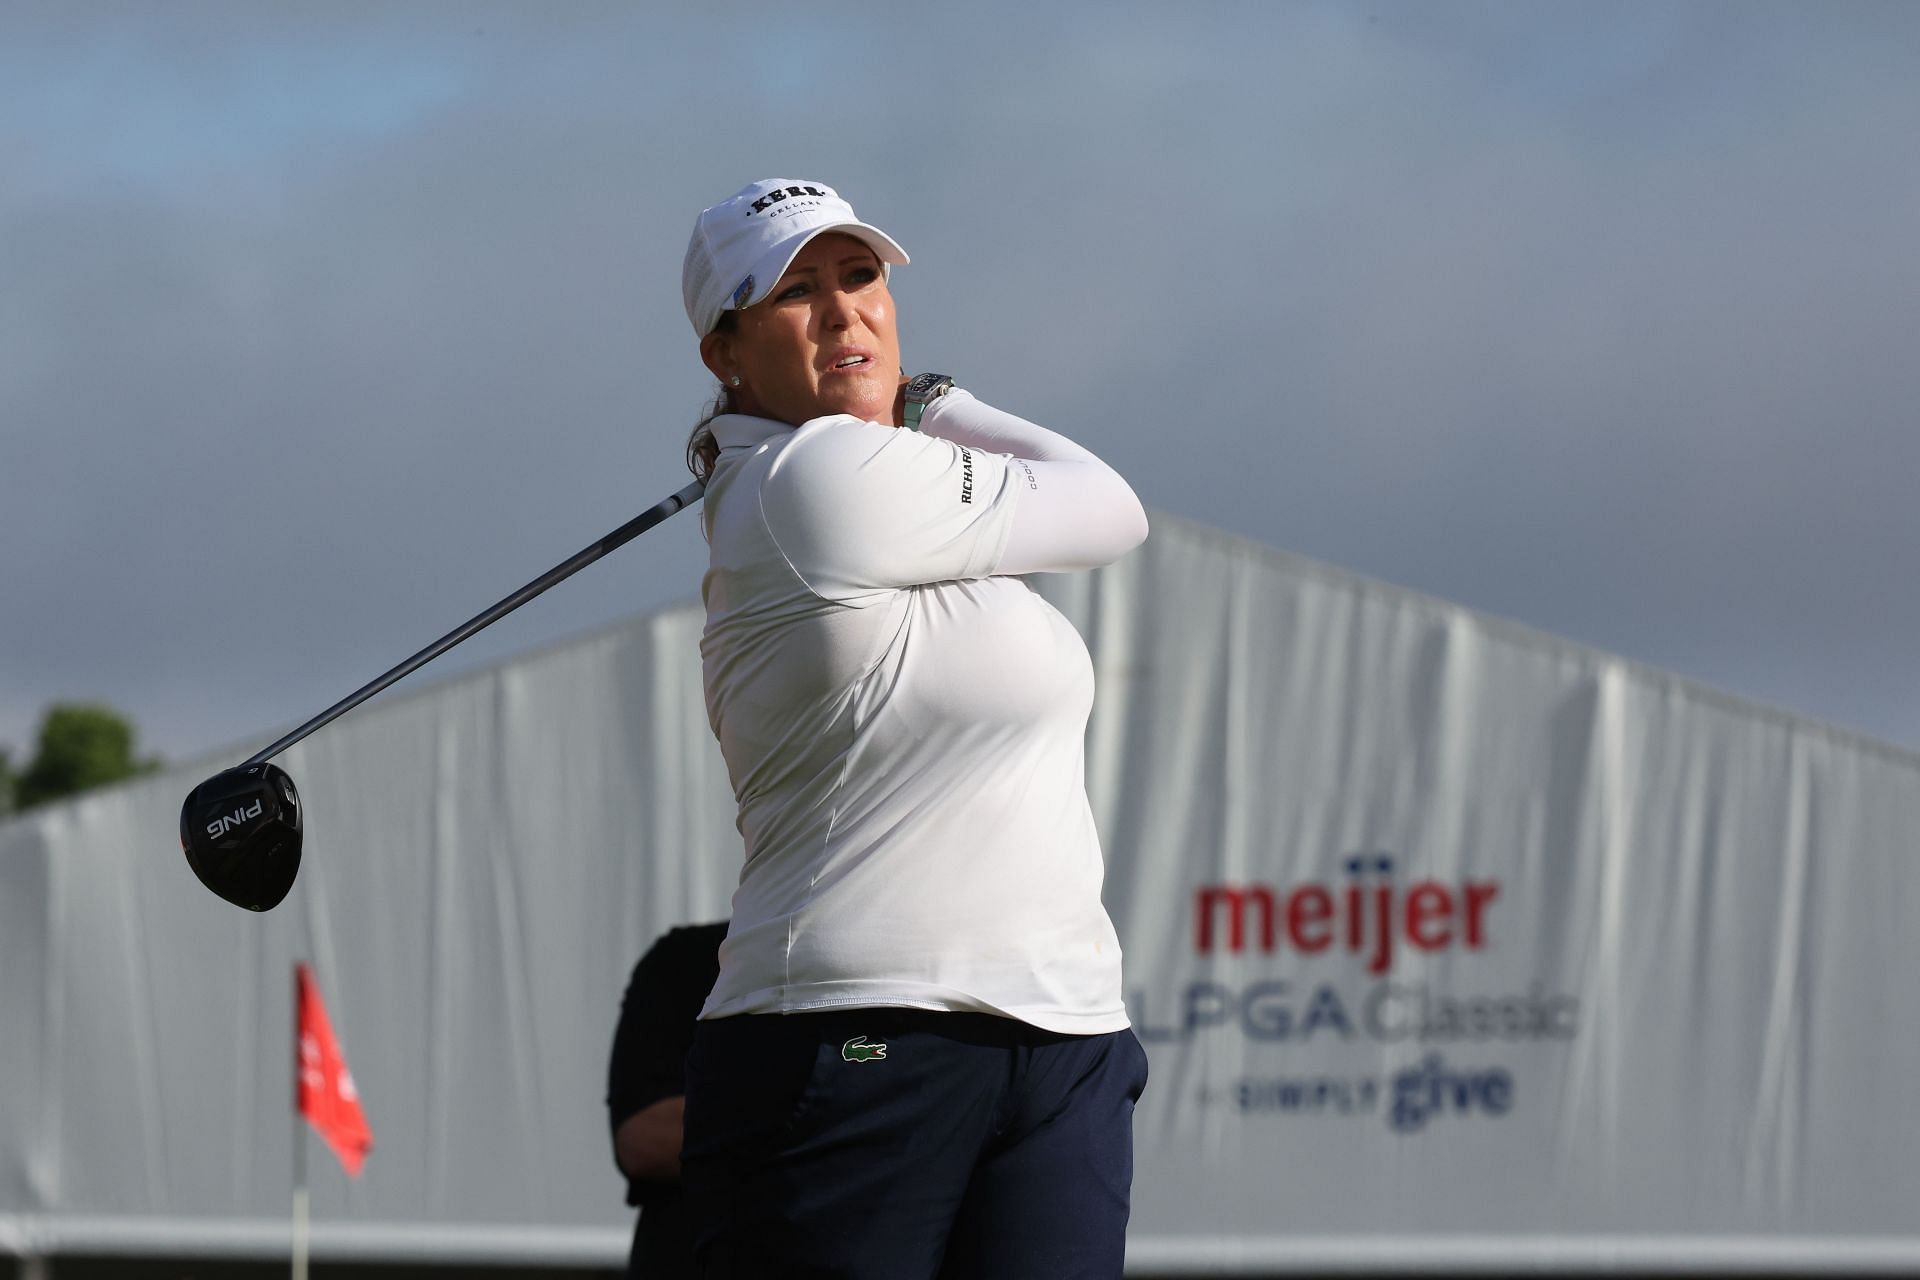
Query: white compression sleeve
{"x":1075,"y":512}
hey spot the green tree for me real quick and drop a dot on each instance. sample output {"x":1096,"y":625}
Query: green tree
{"x":81,"y":746}
{"x":6,"y":782}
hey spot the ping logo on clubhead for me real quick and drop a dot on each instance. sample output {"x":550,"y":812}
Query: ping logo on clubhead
{"x":238,"y":818}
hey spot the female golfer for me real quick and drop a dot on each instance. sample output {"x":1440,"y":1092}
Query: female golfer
{"x":916,"y":1061}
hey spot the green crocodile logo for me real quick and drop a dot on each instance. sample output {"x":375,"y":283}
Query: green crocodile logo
{"x":858,"y":1050}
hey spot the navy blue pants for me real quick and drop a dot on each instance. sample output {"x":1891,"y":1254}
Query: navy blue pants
{"x":908,"y":1145}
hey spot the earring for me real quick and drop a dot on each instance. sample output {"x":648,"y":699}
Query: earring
{"x":734,"y":381}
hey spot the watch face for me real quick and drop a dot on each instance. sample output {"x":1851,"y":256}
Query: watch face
{"x":926,"y":386}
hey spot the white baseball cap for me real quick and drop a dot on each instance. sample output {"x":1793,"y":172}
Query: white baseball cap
{"x":743,"y":245}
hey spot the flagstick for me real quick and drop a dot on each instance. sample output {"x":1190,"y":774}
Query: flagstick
{"x":299,"y":1147}
{"x":300,"y":1228}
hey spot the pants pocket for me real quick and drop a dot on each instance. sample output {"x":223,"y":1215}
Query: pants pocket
{"x":1140,"y":1072}
{"x":750,"y":1081}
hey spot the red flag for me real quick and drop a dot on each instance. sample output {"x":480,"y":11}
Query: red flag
{"x":322,"y":1086}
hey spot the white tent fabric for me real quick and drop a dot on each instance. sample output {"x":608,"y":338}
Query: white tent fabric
{"x":1453,"y":946}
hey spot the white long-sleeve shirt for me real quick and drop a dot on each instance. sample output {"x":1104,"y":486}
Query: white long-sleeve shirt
{"x":903,"y":720}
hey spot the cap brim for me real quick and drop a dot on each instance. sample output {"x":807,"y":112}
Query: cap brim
{"x":774,"y":263}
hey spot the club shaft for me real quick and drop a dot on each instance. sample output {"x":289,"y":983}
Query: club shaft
{"x":552,"y":577}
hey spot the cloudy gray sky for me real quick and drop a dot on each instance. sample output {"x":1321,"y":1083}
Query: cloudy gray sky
{"x":322,"y":326}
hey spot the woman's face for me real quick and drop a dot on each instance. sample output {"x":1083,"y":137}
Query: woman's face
{"x":823,"y":341}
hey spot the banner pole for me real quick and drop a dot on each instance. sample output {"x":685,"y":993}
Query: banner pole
{"x":299,"y":1146}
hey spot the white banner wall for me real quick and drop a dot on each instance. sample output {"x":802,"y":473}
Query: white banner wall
{"x":1455,"y":945}
{"x":1452,"y":946}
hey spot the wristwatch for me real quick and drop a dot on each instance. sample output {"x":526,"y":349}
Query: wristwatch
{"x":922,"y":390}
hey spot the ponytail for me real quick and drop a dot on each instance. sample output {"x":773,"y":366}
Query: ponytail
{"x":702,"y":449}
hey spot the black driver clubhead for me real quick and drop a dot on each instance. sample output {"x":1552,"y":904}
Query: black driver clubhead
{"x":241,"y":831}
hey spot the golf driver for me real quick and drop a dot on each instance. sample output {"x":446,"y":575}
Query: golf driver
{"x":241,"y":828}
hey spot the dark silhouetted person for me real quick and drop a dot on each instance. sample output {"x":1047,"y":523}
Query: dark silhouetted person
{"x":646,"y":1087}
